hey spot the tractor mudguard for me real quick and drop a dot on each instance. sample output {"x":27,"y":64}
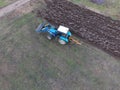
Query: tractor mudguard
{"x":64,"y":39}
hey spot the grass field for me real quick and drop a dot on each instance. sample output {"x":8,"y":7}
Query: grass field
{"x":6,"y":2}
{"x":28,"y":61}
{"x":110,"y":7}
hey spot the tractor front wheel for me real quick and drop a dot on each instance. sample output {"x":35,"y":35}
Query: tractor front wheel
{"x":49,"y":37}
{"x":62,"y":42}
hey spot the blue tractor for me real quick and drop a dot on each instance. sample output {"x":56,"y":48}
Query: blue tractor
{"x":62,"y":32}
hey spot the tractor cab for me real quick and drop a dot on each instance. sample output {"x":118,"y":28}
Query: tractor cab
{"x":65,"y":34}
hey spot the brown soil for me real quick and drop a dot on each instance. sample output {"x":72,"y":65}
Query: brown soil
{"x":99,"y":30}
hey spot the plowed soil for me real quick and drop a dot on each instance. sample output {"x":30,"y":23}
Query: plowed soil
{"x":99,"y":30}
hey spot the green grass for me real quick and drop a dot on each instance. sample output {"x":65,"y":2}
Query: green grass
{"x":36,"y":63}
{"x":90,"y":4}
{"x":2,"y":3}
{"x":23,"y":21}
{"x":110,"y":8}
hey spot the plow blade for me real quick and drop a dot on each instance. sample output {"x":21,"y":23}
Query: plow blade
{"x":73,"y":40}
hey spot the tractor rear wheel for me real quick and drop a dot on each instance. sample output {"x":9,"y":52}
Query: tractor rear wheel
{"x":62,"y":42}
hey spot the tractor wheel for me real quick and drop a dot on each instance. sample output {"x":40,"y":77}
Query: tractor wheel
{"x":49,"y":37}
{"x":62,"y":42}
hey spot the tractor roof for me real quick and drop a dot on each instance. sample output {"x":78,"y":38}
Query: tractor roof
{"x":63,"y":29}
